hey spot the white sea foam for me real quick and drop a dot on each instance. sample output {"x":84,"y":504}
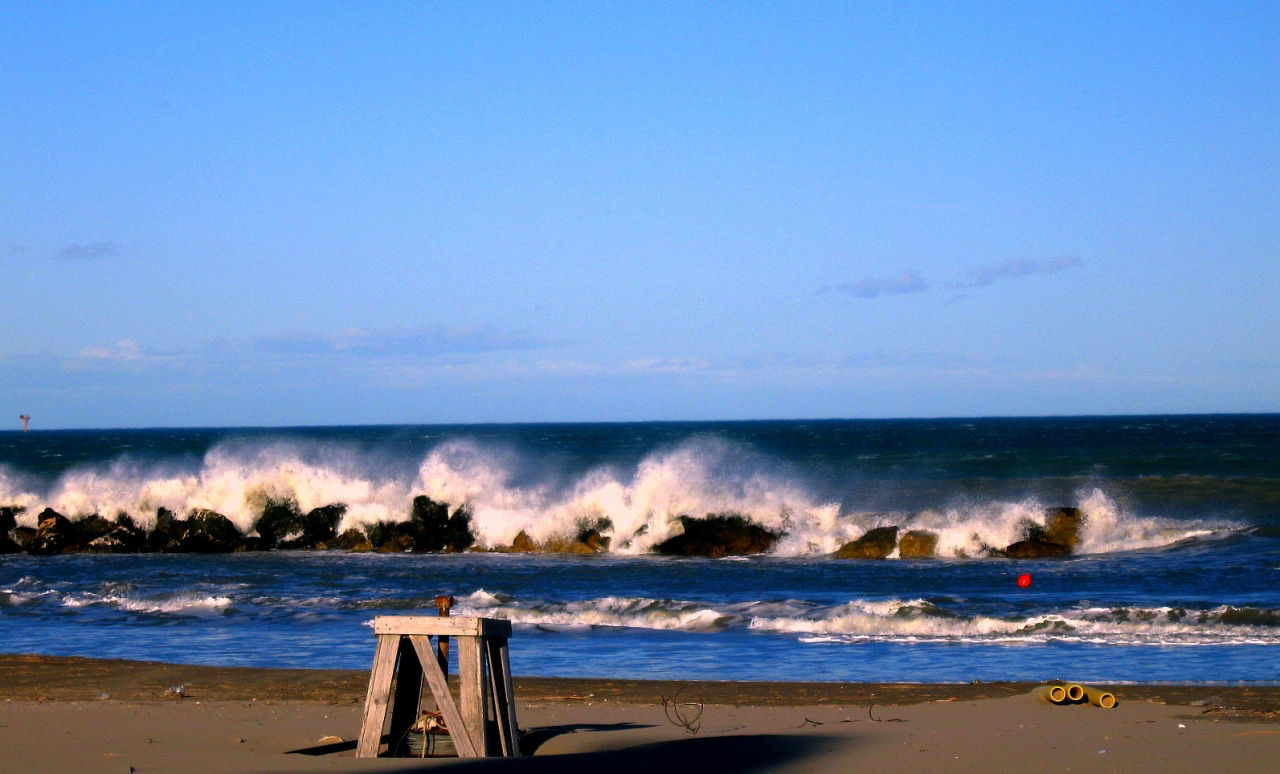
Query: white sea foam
{"x":890,"y":620}
{"x":916,"y":621}
{"x":632,"y":612}
{"x":703,"y":475}
{"x":174,"y":604}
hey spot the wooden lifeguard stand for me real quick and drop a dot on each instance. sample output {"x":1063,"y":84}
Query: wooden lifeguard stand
{"x":482,"y":723}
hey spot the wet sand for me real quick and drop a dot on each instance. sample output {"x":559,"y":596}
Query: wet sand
{"x":87,"y":715}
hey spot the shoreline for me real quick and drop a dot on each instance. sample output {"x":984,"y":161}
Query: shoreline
{"x":60,"y":715}
{"x":33,"y":677}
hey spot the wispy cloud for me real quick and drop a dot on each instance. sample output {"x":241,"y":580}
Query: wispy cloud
{"x":1019,"y":268}
{"x":418,"y":342}
{"x":352,"y":351}
{"x":666,"y":365}
{"x":82,"y":252}
{"x":125,"y":350}
{"x":907,"y":282}
{"x":897,"y":285}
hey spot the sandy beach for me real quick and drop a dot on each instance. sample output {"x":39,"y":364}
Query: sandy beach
{"x":86,"y":715}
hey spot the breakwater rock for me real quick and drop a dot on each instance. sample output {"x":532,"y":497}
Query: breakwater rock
{"x":435,"y":527}
{"x":718,"y":535}
{"x":431,"y":527}
{"x":1059,"y":535}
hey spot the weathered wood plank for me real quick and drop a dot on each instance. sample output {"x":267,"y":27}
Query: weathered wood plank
{"x":375,"y":703}
{"x":513,"y":726}
{"x":471,"y":683}
{"x":496,"y":691}
{"x":458,"y":730}
{"x":452,"y":626}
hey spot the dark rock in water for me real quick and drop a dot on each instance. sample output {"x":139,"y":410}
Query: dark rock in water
{"x":437,"y":530}
{"x":23,"y":536}
{"x":1035,"y":549}
{"x":589,"y":539}
{"x":167,"y":533}
{"x":591,"y":535}
{"x":90,"y":528}
{"x":321,"y":524}
{"x":395,"y":537}
{"x":121,"y":536}
{"x":251,"y":543}
{"x":54,"y":534}
{"x":458,"y":535}
{"x":1030,"y":530}
{"x":9,"y":518}
{"x":280,"y":521}
{"x":120,"y":540}
{"x":593,"y":540}
{"x":563,"y":546}
{"x":318,"y":526}
{"x":391,"y":536}
{"x":8,"y":522}
{"x":523,"y":544}
{"x":917,"y":544}
{"x":1062,"y":526}
{"x":876,"y":544}
{"x":209,"y":532}
{"x":717,"y":535}
{"x":377,"y":532}
{"x":351,"y":540}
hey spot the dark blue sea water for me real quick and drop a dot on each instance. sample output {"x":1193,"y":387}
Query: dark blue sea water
{"x":1177,"y":577}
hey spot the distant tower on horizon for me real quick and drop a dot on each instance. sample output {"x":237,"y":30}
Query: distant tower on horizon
{"x":25,"y":419}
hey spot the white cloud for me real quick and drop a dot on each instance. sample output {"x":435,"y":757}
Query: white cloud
{"x":125,"y":350}
{"x":77,"y":251}
{"x":1018,"y":268}
{"x":899,"y":284}
{"x":428,"y":341}
{"x":666,"y":365}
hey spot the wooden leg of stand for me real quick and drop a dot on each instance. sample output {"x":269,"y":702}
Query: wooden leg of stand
{"x":375,"y":703}
{"x":471,"y":687}
{"x":510,"y":696}
{"x":495,"y":692}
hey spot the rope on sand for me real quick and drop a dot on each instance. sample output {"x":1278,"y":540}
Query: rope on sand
{"x":687,"y":715}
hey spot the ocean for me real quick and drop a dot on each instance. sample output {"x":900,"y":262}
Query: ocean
{"x":1176,"y":577}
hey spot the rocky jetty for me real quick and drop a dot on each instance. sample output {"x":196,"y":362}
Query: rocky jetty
{"x":876,"y":544}
{"x":589,"y":539}
{"x":9,"y":521}
{"x":431,"y":527}
{"x":917,"y":544}
{"x":434,"y":527}
{"x":717,"y":535}
{"x":1035,"y":549}
{"x":283,"y":525}
{"x":1059,"y":535}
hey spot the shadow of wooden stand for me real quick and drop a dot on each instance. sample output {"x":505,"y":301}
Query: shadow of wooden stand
{"x":482,"y":723}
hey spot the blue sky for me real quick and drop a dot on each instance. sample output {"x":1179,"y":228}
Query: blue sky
{"x":312,"y":213}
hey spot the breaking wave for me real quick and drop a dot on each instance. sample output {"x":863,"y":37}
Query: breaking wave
{"x":165,"y":604}
{"x":899,"y":621}
{"x":507,"y":493}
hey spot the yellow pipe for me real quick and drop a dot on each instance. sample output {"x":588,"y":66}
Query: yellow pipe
{"x":1053,"y":694}
{"x":1075,"y":692}
{"x":1098,"y":697}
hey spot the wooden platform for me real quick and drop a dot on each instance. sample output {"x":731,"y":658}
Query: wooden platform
{"x":481,"y":721}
